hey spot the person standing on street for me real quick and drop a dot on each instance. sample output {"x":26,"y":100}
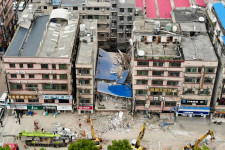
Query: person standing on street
{"x":19,"y":120}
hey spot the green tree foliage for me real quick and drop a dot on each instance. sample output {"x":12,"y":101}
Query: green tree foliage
{"x":5,"y":148}
{"x":203,"y":148}
{"x":120,"y":145}
{"x":43,"y":148}
{"x":83,"y":144}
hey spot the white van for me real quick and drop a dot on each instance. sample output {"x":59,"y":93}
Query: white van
{"x":3,"y":98}
{"x":22,"y":5}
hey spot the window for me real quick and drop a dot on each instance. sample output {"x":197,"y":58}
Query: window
{"x":203,"y":92}
{"x":157,"y":73}
{"x":189,"y":79}
{"x":130,"y":10}
{"x":121,"y":18}
{"x":21,"y":65}
{"x":121,"y":9}
{"x":158,"y":64}
{"x":172,"y":93}
{"x":141,"y":92}
{"x":209,"y":70}
{"x":64,"y":101}
{"x":44,"y":66}
{"x":63,"y":76}
{"x":13,"y":75}
{"x":101,"y":43}
{"x":129,"y":18}
{"x":31,"y":76}
{"x":53,"y":66}
{"x":49,"y":100}
{"x":121,"y":26}
{"x":157,"y":82}
{"x":198,"y":80}
{"x":22,"y":76}
{"x":33,"y":100}
{"x":175,"y":64}
{"x":19,"y":100}
{"x":55,"y":7}
{"x":45,"y":7}
{"x":75,"y":8}
{"x":12,"y":65}
{"x":60,"y":87}
{"x":45,"y":76}
{"x":85,"y":101}
{"x":140,"y":103}
{"x":120,"y":35}
{"x":208,"y":80}
{"x":89,"y":8}
{"x":96,"y":8}
{"x":96,"y":17}
{"x":16,"y":86}
{"x":84,"y":91}
{"x":173,"y":74}
{"x":170,"y":104}
{"x":62,"y":66}
{"x":83,"y":82}
{"x":199,"y":69}
{"x":140,"y":72}
{"x":221,"y":101}
{"x":30,"y":65}
{"x":114,"y":5}
{"x":143,"y":63}
{"x":129,"y":26}
{"x":173,"y":83}
{"x":84,"y":71}
{"x":142,"y":81}
{"x":31,"y":87}
{"x":202,"y":102}
{"x":155,"y":103}
{"x":54,"y":76}
{"x":156,"y":93}
{"x":191,"y":69}
{"x":189,"y":91}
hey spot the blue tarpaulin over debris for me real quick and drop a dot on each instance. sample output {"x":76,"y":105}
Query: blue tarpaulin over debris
{"x":123,"y":77}
{"x":106,"y":67}
{"x":116,"y":90}
{"x":220,"y":10}
{"x":223,"y":37}
{"x":56,"y":2}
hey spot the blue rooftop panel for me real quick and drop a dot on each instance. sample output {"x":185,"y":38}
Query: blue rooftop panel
{"x":35,"y":36}
{"x":123,"y":77}
{"x":17,"y":42}
{"x":115,"y":90}
{"x":223,"y":37}
{"x":56,"y":2}
{"x":106,"y":66}
{"x":220,"y":10}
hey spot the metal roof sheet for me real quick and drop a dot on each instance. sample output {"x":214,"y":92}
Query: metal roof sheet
{"x":35,"y":36}
{"x":220,"y":10}
{"x":17,"y":42}
{"x":123,"y":77}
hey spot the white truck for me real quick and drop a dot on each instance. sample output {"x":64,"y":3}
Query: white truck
{"x":3,"y":99}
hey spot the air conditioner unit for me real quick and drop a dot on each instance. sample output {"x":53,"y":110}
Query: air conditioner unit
{"x":210,"y":90}
{"x":156,"y":98}
{"x":50,"y":72}
{"x":147,"y":87}
{"x":146,"y":68}
{"x":35,"y":91}
{"x":23,"y":72}
{"x":40,"y":93}
{"x":130,"y":21}
{"x":79,"y":74}
{"x":150,"y":78}
{"x":162,"y":98}
{"x":167,"y":69}
{"x":165,"y":79}
{"x":50,"y":82}
{"x":122,"y":22}
{"x":193,"y":89}
{"x":185,"y":74}
{"x":131,"y":14}
{"x":146,"y":105}
{"x":185,"y":89}
{"x":150,"y":68}
{"x":145,"y":77}
{"x":24,"y":81}
{"x":201,"y":89}
{"x":17,"y":72}
{"x":122,"y":13}
{"x":210,"y":77}
{"x":103,"y":10}
{"x":17,"y":81}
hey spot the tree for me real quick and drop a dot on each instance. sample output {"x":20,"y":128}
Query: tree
{"x":118,"y":145}
{"x":203,"y":148}
{"x":83,"y":144}
{"x":43,"y":148}
{"x":6,"y":147}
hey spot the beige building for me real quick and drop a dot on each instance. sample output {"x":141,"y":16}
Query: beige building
{"x":85,"y":66}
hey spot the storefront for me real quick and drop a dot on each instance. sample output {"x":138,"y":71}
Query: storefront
{"x":64,"y":108}
{"x":193,"y":111}
{"x":34,"y":107}
{"x":193,"y":102}
{"x":50,"y":108}
{"x":84,"y":109}
{"x":16,"y":107}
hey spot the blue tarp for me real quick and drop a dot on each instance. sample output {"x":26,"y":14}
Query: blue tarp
{"x":56,"y":2}
{"x":105,"y":66}
{"x":116,"y":90}
{"x":193,"y":110}
{"x":223,"y":37}
{"x":123,"y":77}
{"x":220,"y":10}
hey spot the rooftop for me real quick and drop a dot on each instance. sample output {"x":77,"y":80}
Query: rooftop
{"x":198,"y":47}
{"x":193,"y":26}
{"x":88,"y":42}
{"x":68,"y":2}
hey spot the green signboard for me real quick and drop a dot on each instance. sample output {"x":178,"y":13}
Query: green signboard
{"x":34,"y":107}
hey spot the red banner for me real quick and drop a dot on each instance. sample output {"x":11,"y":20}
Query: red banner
{"x":85,"y":107}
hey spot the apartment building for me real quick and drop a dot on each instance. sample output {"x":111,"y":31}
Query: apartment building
{"x":216,"y":25}
{"x":7,"y":23}
{"x":157,"y":64}
{"x":38,"y":62}
{"x":85,"y":66}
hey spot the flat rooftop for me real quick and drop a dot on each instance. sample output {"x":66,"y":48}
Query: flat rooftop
{"x":198,"y":47}
{"x":188,"y":15}
{"x":88,"y":42}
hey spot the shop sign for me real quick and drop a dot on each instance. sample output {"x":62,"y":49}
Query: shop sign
{"x":64,"y":107}
{"x":34,"y":107}
{"x":198,"y":102}
{"x":17,"y":107}
{"x":85,"y":107}
{"x":162,"y":90}
{"x":22,"y":97}
{"x":57,"y":97}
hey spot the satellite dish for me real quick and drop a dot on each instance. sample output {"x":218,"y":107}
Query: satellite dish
{"x":141,"y":53}
{"x":201,"y":19}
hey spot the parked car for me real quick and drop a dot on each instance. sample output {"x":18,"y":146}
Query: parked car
{"x":22,"y":5}
{"x":4,"y":98}
{"x":15,"y":5}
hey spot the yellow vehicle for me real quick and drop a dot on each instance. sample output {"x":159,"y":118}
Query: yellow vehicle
{"x":194,"y":145}
{"x":92,"y":135}
{"x":136,"y":144}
